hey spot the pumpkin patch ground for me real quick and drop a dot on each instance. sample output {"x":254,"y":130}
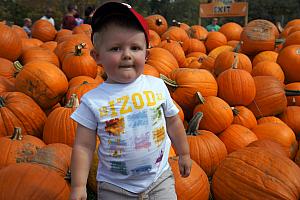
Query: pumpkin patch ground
{"x":237,"y":89}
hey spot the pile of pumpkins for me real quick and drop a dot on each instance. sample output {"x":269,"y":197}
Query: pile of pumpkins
{"x":237,"y":91}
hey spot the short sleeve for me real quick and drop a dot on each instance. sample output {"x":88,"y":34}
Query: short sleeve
{"x":84,"y":116}
{"x":169,"y":107}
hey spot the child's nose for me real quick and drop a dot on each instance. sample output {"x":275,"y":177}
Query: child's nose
{"x":127,"y":54}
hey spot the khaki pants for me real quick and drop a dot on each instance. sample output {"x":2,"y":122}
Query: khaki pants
{"x":162,"y":189}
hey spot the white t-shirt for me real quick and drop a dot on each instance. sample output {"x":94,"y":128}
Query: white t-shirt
{"x":51,"y":20}
{"x":130,"y":121}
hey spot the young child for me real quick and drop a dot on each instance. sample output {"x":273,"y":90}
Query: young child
{"x":133,"y":115}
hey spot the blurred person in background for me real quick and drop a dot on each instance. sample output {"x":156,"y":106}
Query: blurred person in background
{"x":88,"y":13}
{"x":27,"y":26}
{"x":48,"y":16}
{"x":69,"y":21}
{"x":213,"y":26}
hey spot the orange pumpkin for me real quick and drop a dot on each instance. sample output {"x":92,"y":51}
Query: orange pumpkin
{"x":154,"y":39}
{"x":36,"y":182}
{"x":236,"y":86}
{"x":268,"y":68}
{"x":162,"y":60}
{"x":236,"y":137}
{"x":42,"y":81}
{"x":206,"y":149}
{"x":55,"y":156}
{"x":243,"y":116}
{"x":39,"y":53}
{"x":231,"y":30}
{"x":280,"y":133}
{"x":18,"y":148}
{"x":157,"y":23}
{"x":149,"y":70}
{"x":291,"y":117}
{"x":43,"y":30}
{"x":19,"y":110}
{"x":175,"y":33}
{"x":186,"y":82}
{"x":269,"y":145}
{"x":79,"y":63}
{"x":11,"y":45}
{"x":196,"y":186}
{"x":265,"y":56}
{"x":214,"y":40}
{"x":270,"y":97}
{"x":251,"y":173}
{"x":288,"y":58}
{"x":259,"y":35}
{"x":59,"y":127}
{"x":217,"y":114}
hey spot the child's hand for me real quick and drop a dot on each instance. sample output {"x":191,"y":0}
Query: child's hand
{"x":78,"y":193}
{"x":185,"y":165}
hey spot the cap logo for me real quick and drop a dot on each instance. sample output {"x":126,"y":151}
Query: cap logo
{"x":125,"y":4}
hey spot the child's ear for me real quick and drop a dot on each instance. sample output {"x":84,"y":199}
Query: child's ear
{"x":95,"y":55}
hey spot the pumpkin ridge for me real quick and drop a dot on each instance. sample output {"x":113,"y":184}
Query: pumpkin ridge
{"x":248,"y":163}
{"x":249,"y":183}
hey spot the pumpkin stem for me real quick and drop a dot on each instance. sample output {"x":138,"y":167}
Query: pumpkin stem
{"x":18,"y":66}
{"x":158,"y":22}
{"x":238,"y":47}
{"x":292,"y":92}
{"x":78,"y":49}
{"x":200,"y":97}
{"x":194,"y":124}
{"x":235,"y":111}
{"x":168,"y":81}
{"x":235,"y":61}
{"x":73,"y":102}
{"x":17,"y":135}
{"x":175,"y":23}
{"x":2,"y":102}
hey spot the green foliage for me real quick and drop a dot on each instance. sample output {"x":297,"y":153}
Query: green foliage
{"x":186,"y":11}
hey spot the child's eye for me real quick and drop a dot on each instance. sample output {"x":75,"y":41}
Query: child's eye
{"x":136,"y":48}
{"x":115,"y":49}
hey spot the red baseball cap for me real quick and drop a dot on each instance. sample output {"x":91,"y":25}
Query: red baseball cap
{"x":112,"y":8}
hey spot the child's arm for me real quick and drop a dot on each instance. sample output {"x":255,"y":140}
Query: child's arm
{"x":82,"y":155}
{"x":177,"y":135}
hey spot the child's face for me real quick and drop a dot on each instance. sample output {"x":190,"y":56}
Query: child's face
{"x":122,"y":52}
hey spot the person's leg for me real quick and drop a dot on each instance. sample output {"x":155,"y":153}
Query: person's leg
{"x":163,"y":188}
{"x":107,"y":191}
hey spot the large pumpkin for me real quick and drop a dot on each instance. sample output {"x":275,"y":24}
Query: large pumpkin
{"x":28,"y":181}
{"x":18,"y":148}
{"x":43,"y":30}
{"x":255,"y":173}
{"x":289,"y":58}
{"x":259,"y":35}
{"x":186,"y":83}
{"x":19,"y":110}
{"x":206,"y":149}
{"x":280,"y":133}
{"x":162,"y":60}
{"x":10,"y":43}
{"x":59,"y":127}
{"x":270,"y":97}
{"x":236,"y":87}
{"x":42,"y":81}
{"x":217,"y":114}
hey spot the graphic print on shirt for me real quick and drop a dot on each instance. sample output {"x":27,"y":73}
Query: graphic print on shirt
{"x":157,"y":115}
{"x":141,"y":170}
{"x":118,"y":167}
{"x":142,"y":141}
{"x":116,"y":147}
{"x":115,"y":126}
{"x":159,"y":135}
{"x":159,"y":159}
{"x":136,"y":120}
